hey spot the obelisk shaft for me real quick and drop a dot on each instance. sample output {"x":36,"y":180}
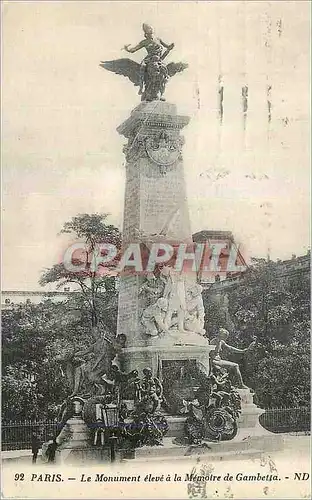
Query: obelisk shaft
{"x":155,"y":197}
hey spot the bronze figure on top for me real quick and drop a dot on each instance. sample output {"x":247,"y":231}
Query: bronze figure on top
{"x":152,"y":74}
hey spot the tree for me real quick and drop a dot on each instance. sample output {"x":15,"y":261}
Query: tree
{"x":19,"y":395}
{"x":96,"y":295}
{"x":270,"y":304}
{"x":282,"y":378}
{"x":32,"y":380}
{"x":274,"y":307}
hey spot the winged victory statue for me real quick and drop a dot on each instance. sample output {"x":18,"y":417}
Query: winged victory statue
{"x":152,"y":74}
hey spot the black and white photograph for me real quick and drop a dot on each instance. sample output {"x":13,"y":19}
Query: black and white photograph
{"x":155,"y":286}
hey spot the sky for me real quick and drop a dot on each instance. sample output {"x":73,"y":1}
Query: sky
{"x":62,"y":155}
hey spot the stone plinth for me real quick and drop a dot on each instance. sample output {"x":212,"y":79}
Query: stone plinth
{"x":75,"y":446}
{"x":73,"y":441}
{"x":155,"y":210}
{"x":77,"y":430}
{"x":249,"y":417}
{"x":153,"y":356}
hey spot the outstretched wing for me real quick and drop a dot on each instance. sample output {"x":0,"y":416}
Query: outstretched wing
{"x":174,"y":68}
{"x":125,"y":67}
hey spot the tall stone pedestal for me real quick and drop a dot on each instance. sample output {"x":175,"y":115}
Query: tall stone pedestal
{"x":155,"y":210}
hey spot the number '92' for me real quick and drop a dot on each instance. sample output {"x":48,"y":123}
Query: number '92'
{"x":19,"y":477}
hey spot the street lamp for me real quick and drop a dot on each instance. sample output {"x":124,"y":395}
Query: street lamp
{"x":110,"y":415}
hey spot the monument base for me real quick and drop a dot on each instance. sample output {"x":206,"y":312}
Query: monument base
{"x":74,"y":443}
{"x":75,"y":446}
{"x":152,"y":356}
{"x":176,"y":365}
{"x":246,"y":444}
{"x":252,"y":439}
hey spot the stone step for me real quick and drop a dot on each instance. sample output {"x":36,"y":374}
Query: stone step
{"x":207,"y":455}
{"x":244,"y":442}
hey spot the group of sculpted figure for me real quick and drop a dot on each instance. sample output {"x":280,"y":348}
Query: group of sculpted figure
{"x":216,"y":408}
{"x":147,"y":425}
{"x":212,"y":415}
{"x":96,"y":369}
{"x":170,"y":306}
{"x":93,"y":369}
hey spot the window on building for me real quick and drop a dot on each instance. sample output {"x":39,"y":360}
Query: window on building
{"x":66,"y":289}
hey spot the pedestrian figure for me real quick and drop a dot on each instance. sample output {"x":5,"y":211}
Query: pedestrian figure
{"x":99,"y":432}
{"x":35,"y":445}
{"x":51,"y":450}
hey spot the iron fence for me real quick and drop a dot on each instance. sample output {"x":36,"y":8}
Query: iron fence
{"x":17,"y":435}
{"x":286,"y":419}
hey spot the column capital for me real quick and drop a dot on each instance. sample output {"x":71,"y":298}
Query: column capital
{"x":153,"y":115}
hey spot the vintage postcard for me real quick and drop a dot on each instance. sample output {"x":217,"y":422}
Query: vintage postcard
{"x":156,"y":249}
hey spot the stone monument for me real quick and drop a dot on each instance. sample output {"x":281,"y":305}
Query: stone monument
{"x":160,"y":312}
{"x":187,"y":390}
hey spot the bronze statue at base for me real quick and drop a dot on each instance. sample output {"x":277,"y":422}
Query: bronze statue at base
{"x":218,"y":361}
{"x":213,"y":414}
